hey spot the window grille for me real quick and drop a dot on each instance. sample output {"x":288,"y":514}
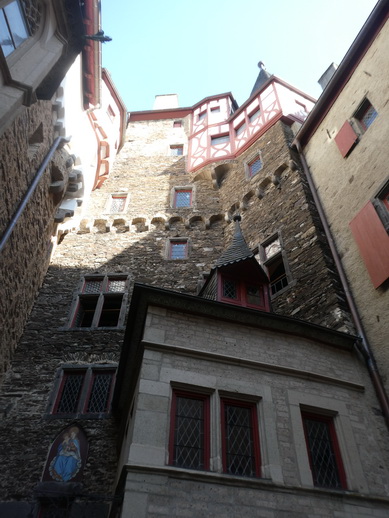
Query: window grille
{"x":366,"y":114}
{"x":229,"y":289}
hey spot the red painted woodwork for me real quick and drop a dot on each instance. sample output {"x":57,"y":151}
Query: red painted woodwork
{"x":373,"y":243}
{"x":346,"y":139}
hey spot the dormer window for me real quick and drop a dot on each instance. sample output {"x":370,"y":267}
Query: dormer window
{"x":242,"y":293}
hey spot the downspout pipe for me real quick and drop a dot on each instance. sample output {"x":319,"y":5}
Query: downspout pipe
{"x":364,"y":345}
{"x":58,"y":143}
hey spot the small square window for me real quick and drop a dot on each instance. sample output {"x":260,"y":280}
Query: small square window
{"x":254,"y":115}
{"x":177,"y":124}
{"x":100,"y":302}
{"x":178,"y":249}
{"x":177,"y":150}
{"x":202,"y":115}
{"x":182,"y":198}
{"x":254,"y":166}
{"x":189,"y":431}
{"x":220,"y":139}
{"x":118,"y":203}
{"x":323,"y":451}
{"x":240,"y":440}
{"x":84,"y":390}
{"x":365,"y":115}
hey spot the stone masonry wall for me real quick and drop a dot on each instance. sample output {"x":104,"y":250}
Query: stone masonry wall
{"x":24,"y":259}
{"x":135,"y":243}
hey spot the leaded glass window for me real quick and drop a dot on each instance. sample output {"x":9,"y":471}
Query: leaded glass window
{"x":85,"y":390}
{"x":189,"y":439}
{"x":240,"y":446}
{"x":118,"y":203}
{"x":182,"y":198}
{"x":178,"y":249}
{"x":366,"y":115}
{"x":323,"y":451}
{"x":71,"y":390}
{"x":230,"y":289}
{"x":98,"y":400}
{"x":255,"y":166}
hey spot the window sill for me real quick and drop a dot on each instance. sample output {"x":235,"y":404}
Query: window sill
{"x":102,"y":415}
{"x":290,"y":285}
{"x":89,"y":329}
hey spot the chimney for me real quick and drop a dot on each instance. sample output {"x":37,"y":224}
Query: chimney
{"x":325,"y":78}
{"x":164,"y":102}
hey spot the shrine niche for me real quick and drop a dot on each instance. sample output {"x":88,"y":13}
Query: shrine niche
{"x":67,"y":456}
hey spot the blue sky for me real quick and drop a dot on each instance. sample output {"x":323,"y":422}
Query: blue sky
{"x":203,"y":47}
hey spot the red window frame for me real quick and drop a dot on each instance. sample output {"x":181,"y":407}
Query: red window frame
{"x":174,"y":243}
{"x":215,"y":109}
{"x":204,"y":398}
{"x":255,"y":452}
{"x":122,"y":198}
{"x":177,"y":124}
{"x":240,"y":129}
{"x":334,"y":445}
{"x":85,"y":391}
{"x":252,"y":173}
{"x":241,"y":291}
{"x":178,"y":191}
{"x":177,"y":150}
{"x":202,"y":115}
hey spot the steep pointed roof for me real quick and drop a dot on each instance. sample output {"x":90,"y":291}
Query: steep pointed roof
{"x":263,"y":76}
{"x":238,"y":249}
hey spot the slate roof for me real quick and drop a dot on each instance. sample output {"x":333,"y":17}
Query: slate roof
{"x":238,"y":249}
{"x":263,"y":76}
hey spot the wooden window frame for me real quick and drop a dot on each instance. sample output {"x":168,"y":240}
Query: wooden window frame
{"x":89,"y":373}
{"x":256,"y":453}
{"x":329,"y":421}
{"x":177,"y":124}
{"x":205,"y":398}
{"x":82,"y":298}
{"x":202,"y":116}
{"x":248,"y":165}
{"x":241,"y":290}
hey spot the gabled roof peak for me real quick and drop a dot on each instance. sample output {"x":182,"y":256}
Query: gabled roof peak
{"x":238,"y":249}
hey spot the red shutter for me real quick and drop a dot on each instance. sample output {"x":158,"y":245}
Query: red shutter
{"x":346,"y":138}
{"x":373,"y":242}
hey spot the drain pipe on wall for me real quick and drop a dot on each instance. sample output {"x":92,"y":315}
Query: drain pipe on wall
{"x":363,"y":345}
{"x":58,"y":142}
